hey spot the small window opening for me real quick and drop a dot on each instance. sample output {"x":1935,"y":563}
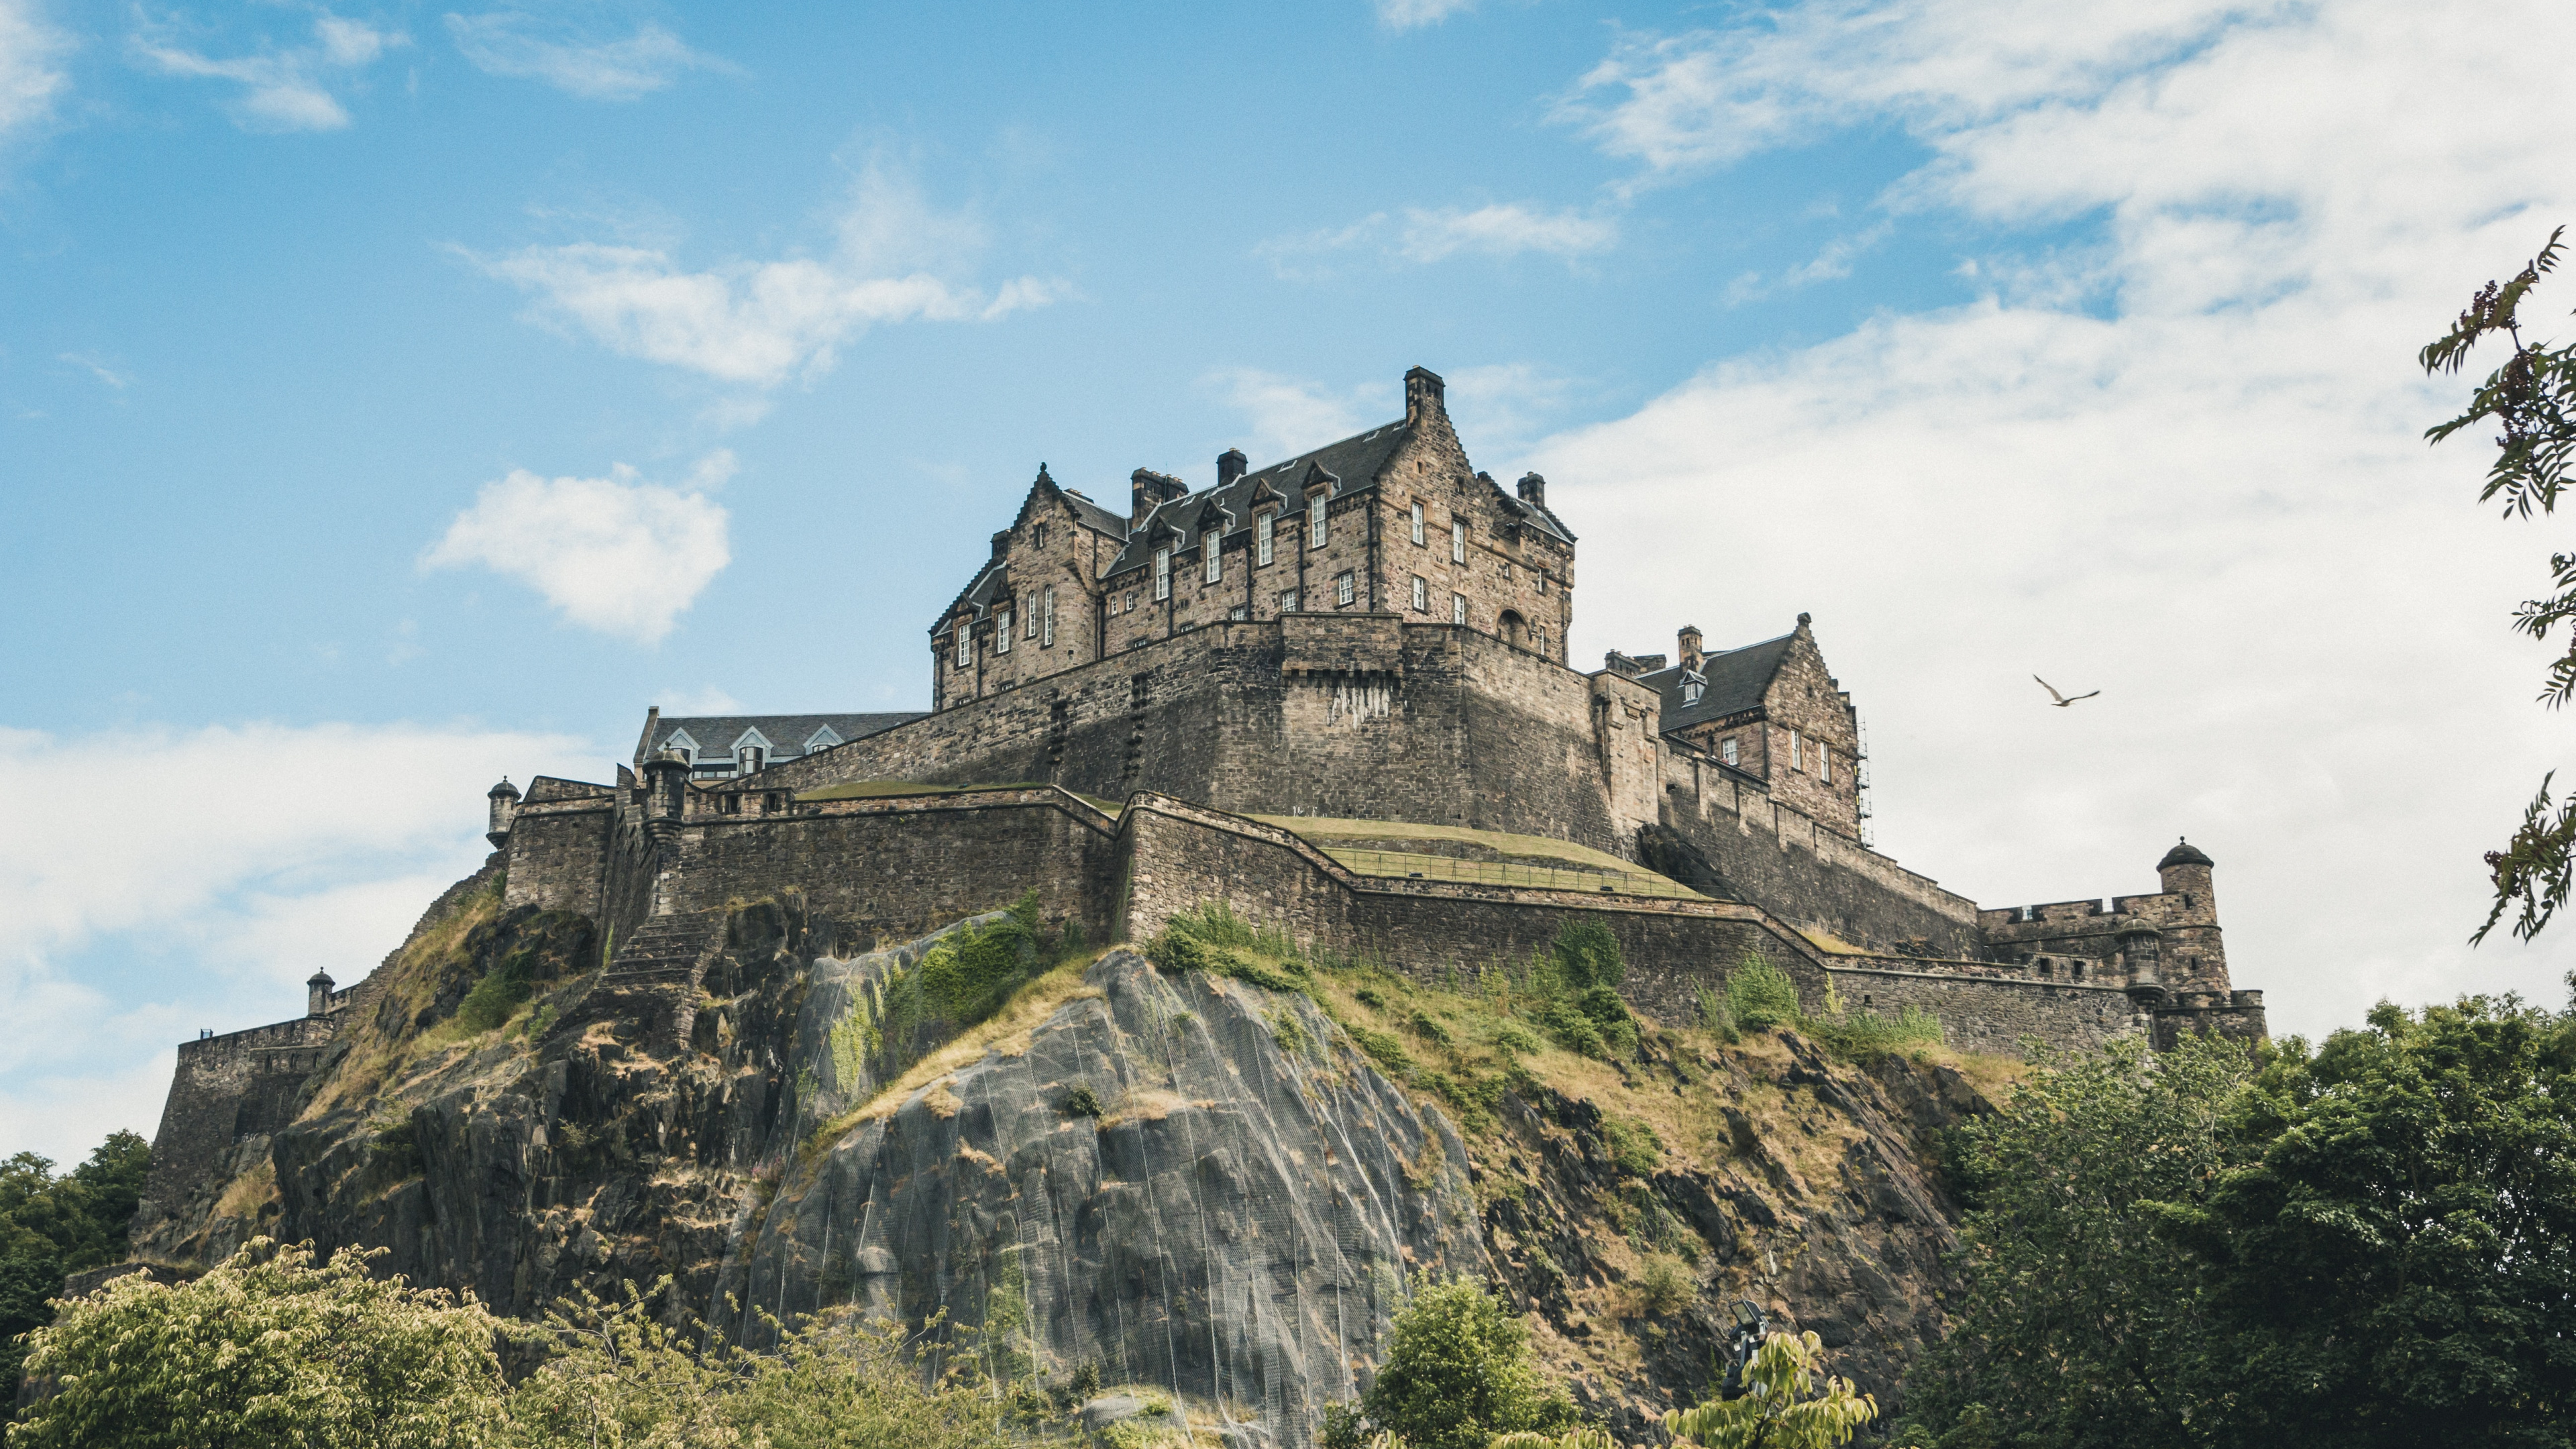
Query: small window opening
{"x":1421,"y":594}
{"x":1457,"y":608}
{"x":1264,"y":537}
{"x":1345,"y":589}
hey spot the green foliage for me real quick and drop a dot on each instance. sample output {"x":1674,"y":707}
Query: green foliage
{"x":1370,"y":997}
{"x":1288,"y":1033}
{"x":1458,"y":1371}
{"x":1570,"y":1439}
{"x":1717,"y":1013}
{"x":1082,"y":1101}
{"x":54,"y":1226}
{"x":1759,"y":995}
{"x":1633,"y":1145}
{"x":499,"y":993}
{"x":1775,"y":1411}
{"x":1383,"y":1049}
{"x":1863,"y":1034}
{"x":1214,"y":940}
{"x":1513,"y":1038}
{"x":1588,"y":955}
{"x":972,"y":970}
{"x":267,"y":1350}
{"x":1663,"y":1284}
{"x":2531,"y":400}
{"x":1430,"y":1030}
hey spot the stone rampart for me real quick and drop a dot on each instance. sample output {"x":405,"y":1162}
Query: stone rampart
{"x":226,"y":1089}
{"x":1992,"y":1012}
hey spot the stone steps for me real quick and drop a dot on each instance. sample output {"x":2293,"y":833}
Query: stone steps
{"x":664,"y":949}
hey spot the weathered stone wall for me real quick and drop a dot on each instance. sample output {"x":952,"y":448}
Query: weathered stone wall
{"x":559,"y":852}
{"x":1995,"y":1014}
{"x":1180,"y":856}
{"x":227,"y":1088}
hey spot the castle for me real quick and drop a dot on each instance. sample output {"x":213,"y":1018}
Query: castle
{"x":1333,"y":693}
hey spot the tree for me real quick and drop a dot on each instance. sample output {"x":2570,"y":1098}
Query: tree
{"x":1774,"y":1411}
{"x":266,"y":1350}
{"x":2077,"y":1311}
{"x":2393,"y":1260}
{"x":1458,"y":1372}
{"x":54,"y":1226}
{"x":2531,"y":399}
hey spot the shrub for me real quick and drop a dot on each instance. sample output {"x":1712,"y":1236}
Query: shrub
{"x":1512,"y":1038}
{"x":1760,"y":996}
{"x":1865,"y":1033}
{"x":1663,"y":1284}
{"x":1430,"y":1030}
{"x":1458,"y":1372}
{"x":1587,"y":954}
{"x":1371,"y":997}
{"x":499,"y":993}
{"x":974,"y":969}
{"x":1717,"y":1014}
{"x":1633,"y":1145}
{"x":1082,"y":1101}
{"x":1385,"y":1050}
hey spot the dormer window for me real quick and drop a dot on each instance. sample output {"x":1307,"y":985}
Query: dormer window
{"x":1693,"y":686}
{"x":821,"y":739}
{"x":1264,"y":542}
{"x":1315,"y":520}
{"x":1162,"y":574}
{"x":1002,"y":632}
{"x":747,"y":758}
{"x":1214,"y":568}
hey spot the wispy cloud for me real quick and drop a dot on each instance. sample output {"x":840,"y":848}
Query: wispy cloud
{"x":763,"y":323}
{"x":1414,"y":14}
{"x":1422,"y":234}
{"x":1831,"y":262}
{"x":518,"y":44}
{"x":283,"y":89}
{"x":100,"y":370}
{"x":1288,"y":415}
{"x":31,"y":78}
{"x":615,"y":554}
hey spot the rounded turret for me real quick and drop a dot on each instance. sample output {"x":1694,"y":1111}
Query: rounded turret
{"x":317,"y":994}
{"x":505,"y":808}
{"x":2185,"y":872}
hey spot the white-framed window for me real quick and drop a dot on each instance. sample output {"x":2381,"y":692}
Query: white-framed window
{"x":1538,"y":637}
{"x":1417,"y":525}
{"x":1002,"y":633}
{"x":1457,"y":540}
{"x":1457,"y":608}
{"x":1028,"y":611}
{"x":1046,"y":619}
{"x":965,"y":644}
{"x":1264,"y":536}
{"x":748,"y":758}
{"x":1541,"y":576}
{"x":1692,"y":689}
{"x":1287,"y":601}
{"x":1421,"y":594}
{"x":1825,"y":763}
{"x":1131,"y":601}
{"x":1239,"y":613}
{"x":1726,"y":749}
{"x":1345,"y":589}
{"x":1797,"y":752}
{"x":1162,"y":574}
{"x":1214,"y":568}
{"x":1315,"y":521}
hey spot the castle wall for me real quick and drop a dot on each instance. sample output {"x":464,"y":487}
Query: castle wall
{"x":559,"y":853}
{"x":1180,"y":856}
{"x":227,"y":1088}
{"x":1798,"y":868}
{"x":1994,"y":1014}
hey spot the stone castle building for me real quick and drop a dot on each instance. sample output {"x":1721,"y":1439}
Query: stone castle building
{"x":1334,"y":693}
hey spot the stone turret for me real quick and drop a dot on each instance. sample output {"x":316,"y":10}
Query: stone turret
{"x":505,"y":808}
{"x":666,"y":789}
{"x":2195,"y":958}
{"x":2185,"y":872}
{"x":1689,"y":640}
{"x":317,"y":994}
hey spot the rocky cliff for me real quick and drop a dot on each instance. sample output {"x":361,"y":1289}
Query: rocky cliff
{"x":1181,"y":1183}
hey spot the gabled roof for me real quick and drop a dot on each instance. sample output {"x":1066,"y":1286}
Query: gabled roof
{"x":718,"y":733}
{"x":1344,"y":467}
{"x":1737,"y":680}
{"x":1536,"y":513}
{"x":992,"y":582}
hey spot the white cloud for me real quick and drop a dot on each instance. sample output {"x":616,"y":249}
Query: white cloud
{"x":195,"y":878}
{"x":2207,"y":495}
{"x":1831,"y":263}
{"x":1428,"y":234}
{"x":762,"y":323}
{"x":617,"y":555}
{"x":30,"y":75}
{"x":282,"y":89}
{"x":1289,"y":415}
{"x":527,"y":47}
{"x":100,"y":370}
{"x":1414,"y":14}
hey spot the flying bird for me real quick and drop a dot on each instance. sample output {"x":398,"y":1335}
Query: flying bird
{"x":2062,"y":700}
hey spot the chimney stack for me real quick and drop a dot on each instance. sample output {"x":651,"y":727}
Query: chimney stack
{"x":1533,"y":489}
{"x":1690,"y":654}
{"x":1001,"y":543}
{"x":1151,"y":488}
{"x":1230,"y":465}
{"x":1423,"y":396}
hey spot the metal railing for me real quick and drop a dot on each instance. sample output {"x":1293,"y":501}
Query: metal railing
{"x":1408,"y":865}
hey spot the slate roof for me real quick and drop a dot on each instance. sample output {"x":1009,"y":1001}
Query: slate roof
{"x":786,"y":733}
{"x":1095,"y":517}
{"x":2184,"y":853}
{"x":1737,"y":680}
{"x":1351,"y":464}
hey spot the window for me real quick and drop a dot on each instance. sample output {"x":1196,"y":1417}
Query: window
{"x":1457,"y":608}
{"x":1037,"y":536}
{"x":1538,"y":637}
{"x":1692,"y":688}
{"x":1797,"y":754}
{"x":1417,"y":525}
{"x":1002,"y":633}
{"x":729,"y":803}
{"x":1726,"y":749}
{"x":1263,"y":542}
{"x":1131,"y":601}
{"x":747,"y":758}
{"x":1825,"y":763}
{"x":1239,"y":613}
{"x":1458,"y":541}
{"x":1214,"y":569}
{"x":1046,"y":619}
{"x":1162,"y":574}
{"x":1421,"y":595}
{"x":965,"y":644}
{"x":1315,"y":516}
{"x":1287,"y":601}
{"x":1344,"y":590}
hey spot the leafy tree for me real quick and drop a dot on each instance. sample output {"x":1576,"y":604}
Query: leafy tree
{"x":2531,"y":399}
{"x":1458,"y":1372}
{"x":2393,"y":1262}
{"x":266,"y":1350}
{"x":1775,"y":1411}
{"x":53,"y":1226}
{"x":2077,"y":1311}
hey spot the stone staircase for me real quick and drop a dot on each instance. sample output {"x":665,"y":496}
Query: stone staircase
{"x":653,"y":979}
{"x":666,"y":948}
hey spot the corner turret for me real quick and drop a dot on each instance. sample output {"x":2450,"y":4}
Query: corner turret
{"x":317,"y":994}
{"x":505,"y":808}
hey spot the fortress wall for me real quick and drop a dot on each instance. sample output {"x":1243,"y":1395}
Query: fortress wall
{"x":897,"y":868}
{"x":558,"y":856}
{"x":1179,"y":858}
{"x":227,"y":1088}
{"x":1801,"y":870}
{"x":1992,"y":1014}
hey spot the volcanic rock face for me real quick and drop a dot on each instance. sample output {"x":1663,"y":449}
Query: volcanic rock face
{"x":1235,"y":1227}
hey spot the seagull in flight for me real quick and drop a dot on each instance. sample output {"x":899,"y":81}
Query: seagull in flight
{"x":2062,"y":700}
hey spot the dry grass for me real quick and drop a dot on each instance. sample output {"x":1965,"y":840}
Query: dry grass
{"x":1323,"y":831}
{"x":1505,"y":873}
{"x":377,"y":1056}
{"x":1151,"y":1104}
{"x":245,"y":1196}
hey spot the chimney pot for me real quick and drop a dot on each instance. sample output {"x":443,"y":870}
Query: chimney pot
{"x":1230,"y":465}
{"x":1423,"y":395}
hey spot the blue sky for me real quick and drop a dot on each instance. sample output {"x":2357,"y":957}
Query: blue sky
{"x":392,"y":397}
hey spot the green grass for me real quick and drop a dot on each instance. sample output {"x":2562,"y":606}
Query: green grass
{"x":1326,"y":832}
{"x":1406,"y":864}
